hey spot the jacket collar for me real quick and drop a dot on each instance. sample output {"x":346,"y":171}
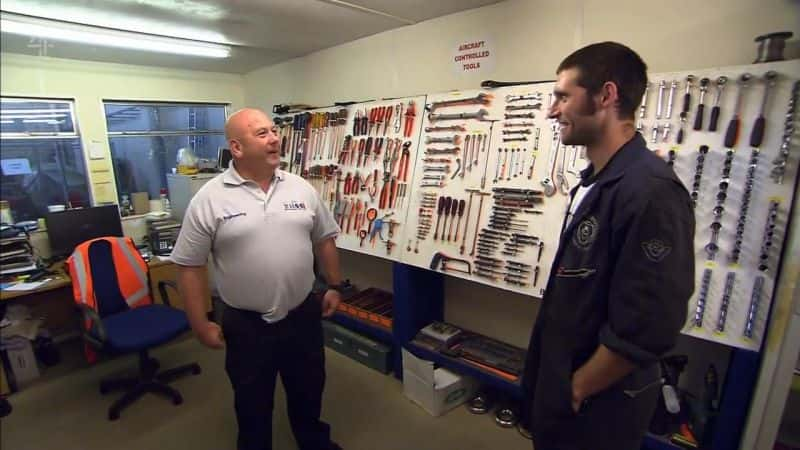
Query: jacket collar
{"x":614,"y":170}
{"x":616,"y":166}
{"x":232,"y":176}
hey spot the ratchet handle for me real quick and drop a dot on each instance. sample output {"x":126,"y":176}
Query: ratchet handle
{"x":732,"y":134}
{"x":698,"y":118}
{"x":712,"y":122}
{"x":757,"y":135}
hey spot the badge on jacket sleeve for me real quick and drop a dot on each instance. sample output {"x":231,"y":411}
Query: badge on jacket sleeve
{"x":656,"y":250}
{"x":585,"y":233}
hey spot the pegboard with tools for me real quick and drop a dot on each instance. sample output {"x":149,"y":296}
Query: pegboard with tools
{"x":487,"y":205}
{"x":487,"y":183}
{"x":729,"y":135}
{"x":360,"y":158}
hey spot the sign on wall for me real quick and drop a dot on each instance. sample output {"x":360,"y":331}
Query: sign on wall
{"x":473,"y":56}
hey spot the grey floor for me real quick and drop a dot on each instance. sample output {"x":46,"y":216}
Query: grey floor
{"x":366,"y":409}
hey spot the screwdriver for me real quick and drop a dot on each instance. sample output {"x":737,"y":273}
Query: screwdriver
{"x":448,"y":203}
{"x":461,"y":205}
{"x":757,"y":135}
{"x":439,"y":210}
{"x":732,"y":133}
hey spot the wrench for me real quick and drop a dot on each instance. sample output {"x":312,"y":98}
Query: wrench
{"x":455,"y":140}
{"x":757,"y":135}
{"x":519,"y":98}
{"x":477,"y":115}
{"x":698,"y":117}
{"x":660,"y":102}
{"x":672,"y":87}
{"x":524,"y":107}
{"x":712,"y":121}
{"x":480,"y":99}
{"x":643,"y":106}
{"x":732,"y":133}
{"x":561,"y":178}
{"x":520,"y":116}
{"x":547,"y":182}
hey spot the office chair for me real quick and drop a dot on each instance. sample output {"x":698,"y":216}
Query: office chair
{"x":115,"y":327}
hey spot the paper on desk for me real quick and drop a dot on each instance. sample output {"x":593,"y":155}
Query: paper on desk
{"x":26,"y":286}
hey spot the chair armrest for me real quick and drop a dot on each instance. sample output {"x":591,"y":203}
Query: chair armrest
{"x":99,"y":338}
{"x":162,"y":288}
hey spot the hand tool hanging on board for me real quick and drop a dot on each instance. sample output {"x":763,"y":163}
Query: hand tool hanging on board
{"x":466,"y":222}
{"x":662,"y":85}
{"x":687,"y":104}
{"x":453,"y":213}
{"x":478,"y":221}
{"x":732,"y":133}
{"x":671,"y":100}
{"x":757,"y":134}
{"x":480,"y":99}
{"x":411,"y":113}
{"x":698,"y":117}
{"x":388,"y":118}
{"x":402,"y":173}
{"x":714,"y":118}
{"x":442,"y":262}
{"x":448,"y":206}
{"x":479,"y":115}
{"x":439,"y":211}
{"x":461,"y":204}
{"x":398,"y":117}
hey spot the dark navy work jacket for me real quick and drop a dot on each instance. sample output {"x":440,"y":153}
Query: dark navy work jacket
{"x":622,"y":277}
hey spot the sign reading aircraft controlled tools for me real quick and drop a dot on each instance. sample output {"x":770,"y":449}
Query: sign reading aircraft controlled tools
{"x":473,"y":56}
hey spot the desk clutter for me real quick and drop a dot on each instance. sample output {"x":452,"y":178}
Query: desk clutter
{"x":16,"y":255}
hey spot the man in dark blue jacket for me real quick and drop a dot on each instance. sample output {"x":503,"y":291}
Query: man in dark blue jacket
{"x":623,"y":273}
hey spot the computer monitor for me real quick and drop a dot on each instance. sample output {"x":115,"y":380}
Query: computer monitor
{"x":67,"y":229}
{"x":223,"y":158}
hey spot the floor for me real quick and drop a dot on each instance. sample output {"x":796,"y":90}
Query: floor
{"x":366,"y":409}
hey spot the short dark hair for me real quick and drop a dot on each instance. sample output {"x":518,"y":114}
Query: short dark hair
{"x":610,"y":61}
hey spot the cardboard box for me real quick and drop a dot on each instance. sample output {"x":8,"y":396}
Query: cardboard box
{"x":436,"y":390}
{"x":21,"y":364}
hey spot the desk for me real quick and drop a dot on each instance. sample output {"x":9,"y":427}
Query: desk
{"x":54,"y":300}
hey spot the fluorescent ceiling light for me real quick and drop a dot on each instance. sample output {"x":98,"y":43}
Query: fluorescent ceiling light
{"x":62,"y":31}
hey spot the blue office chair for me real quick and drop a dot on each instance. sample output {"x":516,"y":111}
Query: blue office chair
{"x":117,"y":328}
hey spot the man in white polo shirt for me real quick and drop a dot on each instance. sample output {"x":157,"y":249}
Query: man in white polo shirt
{"x":263,"y":228}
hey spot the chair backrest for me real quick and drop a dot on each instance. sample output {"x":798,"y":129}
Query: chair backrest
{"x":104,"y":279}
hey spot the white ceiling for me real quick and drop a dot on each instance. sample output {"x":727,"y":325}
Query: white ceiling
{"x":263,"y":32}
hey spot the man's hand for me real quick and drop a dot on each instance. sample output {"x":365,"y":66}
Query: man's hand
{"x":577,"y":396}
{"x":210,"y":335}
{"x":330,"y":301}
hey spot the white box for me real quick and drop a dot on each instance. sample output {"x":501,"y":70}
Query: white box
{"x":436,"y":390}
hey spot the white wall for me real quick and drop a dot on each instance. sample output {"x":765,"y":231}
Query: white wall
{"x":89,"y":83}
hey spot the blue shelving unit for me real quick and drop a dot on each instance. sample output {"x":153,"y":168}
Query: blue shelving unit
{"x":419,"y":300}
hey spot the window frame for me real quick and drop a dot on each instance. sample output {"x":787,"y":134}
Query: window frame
{"x":47,"y":134}
{"x":110,"y":134}
{"x":55,"y":135}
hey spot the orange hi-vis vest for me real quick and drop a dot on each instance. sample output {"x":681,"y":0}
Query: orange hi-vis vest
{"x":131,"y":275}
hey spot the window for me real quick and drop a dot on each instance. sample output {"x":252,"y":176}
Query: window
{"x":41,"y":156}
{"x":145,"y":139}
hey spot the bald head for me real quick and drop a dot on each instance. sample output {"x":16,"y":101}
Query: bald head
{"x":242,"y":121}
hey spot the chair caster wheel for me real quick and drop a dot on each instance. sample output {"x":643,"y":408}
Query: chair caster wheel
{"x":112,"y":415}
{"x":177,"y":400}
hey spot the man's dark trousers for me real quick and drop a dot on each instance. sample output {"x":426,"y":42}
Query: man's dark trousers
{"x":256,"y":351}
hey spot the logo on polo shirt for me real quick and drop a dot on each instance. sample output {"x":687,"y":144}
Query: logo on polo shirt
{"x":231,"y":216}
{"x":294,"y":206}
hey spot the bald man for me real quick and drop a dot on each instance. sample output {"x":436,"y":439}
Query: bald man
{"x":263,"y":227}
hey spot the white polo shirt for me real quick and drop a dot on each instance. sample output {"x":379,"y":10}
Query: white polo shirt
{"x":261,"y":242}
